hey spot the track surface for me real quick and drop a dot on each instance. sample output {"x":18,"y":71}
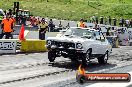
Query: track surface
{"x":34,"y":70}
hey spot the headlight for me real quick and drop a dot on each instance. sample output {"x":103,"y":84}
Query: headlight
{"x":79,"y":46}
{"x":49,"y":42}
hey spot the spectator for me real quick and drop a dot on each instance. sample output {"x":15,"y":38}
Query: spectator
{"x":68,"y":26}
{"x":131,"y":23}
{"x":19,"y":19}
{"x":7,"y":27}
{"x":96,"y":26}
{"x":114,"y":21}
{"x":101,"y":19}
{"x":38,"y":21}
{"x":60,"y":26}
{"x":14,"y":20}
{"x":127,"y":23}
{"x":81,"y":24}
{"x":93,"y":19}
{"x":33,"y":21}
{"x":23,"y":20}
{"x":108,"y":31}
{"x":51,"y":26}
{"x":109,"y":18}
{"x":121,"y":22}
{"x":10,"y":12}
{"x":96,"y":20}
{"x":43,"y":26}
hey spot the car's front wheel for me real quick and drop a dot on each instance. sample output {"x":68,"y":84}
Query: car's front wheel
{"x":51,"y":55}
{"x":86,"y":58}
{"x":74,"y":59}
{"x":103,"y":59}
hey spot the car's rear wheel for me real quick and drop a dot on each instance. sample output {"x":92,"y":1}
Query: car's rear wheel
{"x":51,"y":55}
{"x":86,"y":58}
{"x":104,"y":58}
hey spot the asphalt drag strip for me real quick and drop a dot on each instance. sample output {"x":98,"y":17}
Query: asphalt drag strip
{"x":34,"y":70}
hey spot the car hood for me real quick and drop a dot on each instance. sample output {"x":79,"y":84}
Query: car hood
{"x":69,"y":39}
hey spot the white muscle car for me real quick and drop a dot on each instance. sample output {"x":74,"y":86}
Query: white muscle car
{"x":79,"y":44}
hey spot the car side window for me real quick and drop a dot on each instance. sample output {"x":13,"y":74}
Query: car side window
{"x":96,"y":35}
{"x":102,"y":37}
{"x":99,"y":36}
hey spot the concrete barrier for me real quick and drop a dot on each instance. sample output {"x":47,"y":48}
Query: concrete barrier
{"x":8,"y":46}
{"x":33,"y":45}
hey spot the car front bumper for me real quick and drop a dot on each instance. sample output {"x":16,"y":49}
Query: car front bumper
{"x":67,"y":50}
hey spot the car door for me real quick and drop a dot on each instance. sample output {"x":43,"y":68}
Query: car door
{"x":104,"y":43}
{"x":97,"y":43}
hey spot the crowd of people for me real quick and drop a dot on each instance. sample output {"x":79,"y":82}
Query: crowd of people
{"x":8,"y":23}
{"x":42,"y":25}
{"x":111,"y":21}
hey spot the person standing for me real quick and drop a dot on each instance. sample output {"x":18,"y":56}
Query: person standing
{"x":127,"y":22}
{"x":93,"y":19}
{"x":114,"y":21}
{"x":131,"y":23}
{"x":101,"y":19}
{"x":67,"y":26}
{"x":38,"y":22}
{"x":96,"y":19}
{"x":43,"y":26}
{"x":51,"y":26}
{"x":109,"y":18}
{"x":33,"y":21}
{"x":60,"y":25}
{"x":121,"y":22}
{"x":81,"y":24}
{"x":24,"y":20}
{"x":7,"y":27}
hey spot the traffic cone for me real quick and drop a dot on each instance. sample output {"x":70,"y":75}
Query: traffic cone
{"x":21,"y":34}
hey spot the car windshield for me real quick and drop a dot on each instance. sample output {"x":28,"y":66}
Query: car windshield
{"x":78,"y":32}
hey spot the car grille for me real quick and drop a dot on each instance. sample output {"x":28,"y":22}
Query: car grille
{"x":66,"y":45}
